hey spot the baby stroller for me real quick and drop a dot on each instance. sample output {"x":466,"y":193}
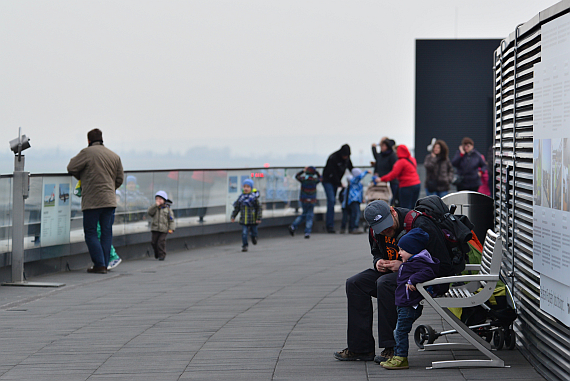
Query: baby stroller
{"x":379,"y":191}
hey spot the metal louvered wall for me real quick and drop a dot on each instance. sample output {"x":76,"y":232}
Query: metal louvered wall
{"x":543,"y":339}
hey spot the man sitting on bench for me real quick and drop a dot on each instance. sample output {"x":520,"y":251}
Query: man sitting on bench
{"x":386,"y":228}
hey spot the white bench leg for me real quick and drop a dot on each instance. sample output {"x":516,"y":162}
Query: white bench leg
{"x":474,"y":339}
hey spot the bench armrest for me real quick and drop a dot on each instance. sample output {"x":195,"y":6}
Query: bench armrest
{"x":460,"y":278}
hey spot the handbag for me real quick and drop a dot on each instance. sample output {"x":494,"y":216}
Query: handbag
{"x":457,"y":179}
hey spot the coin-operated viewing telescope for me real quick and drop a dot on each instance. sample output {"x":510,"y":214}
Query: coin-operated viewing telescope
{"x":21,"y":143}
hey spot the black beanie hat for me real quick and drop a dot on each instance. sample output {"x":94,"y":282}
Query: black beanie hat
{"x":415,"y":241}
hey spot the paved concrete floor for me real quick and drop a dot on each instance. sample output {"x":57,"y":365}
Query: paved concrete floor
{"x":277,"y":312}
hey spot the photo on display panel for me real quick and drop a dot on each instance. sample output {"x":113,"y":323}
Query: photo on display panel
{"x":537,"y":154}
{"x":557,"y":174}
{"x":565,"y":175}
{"x":546,"y":173}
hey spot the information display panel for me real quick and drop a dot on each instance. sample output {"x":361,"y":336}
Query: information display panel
{"x":551,"y":245}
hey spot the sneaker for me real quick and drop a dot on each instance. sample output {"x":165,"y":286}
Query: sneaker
{"x":307,"y":236}
{"x":291,"y":230}
{"x":385,"y":355}
{"x":114,"y":263}
{"x":331,"y":231}
{"x":162,"y":258}
{"x":396,"y":362}
{"x":254,"y":240}
{"x":346,"y":355}
{"x":244,"y":248}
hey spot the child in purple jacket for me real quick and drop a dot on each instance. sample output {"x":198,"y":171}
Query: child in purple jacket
{"x":418,"y":266}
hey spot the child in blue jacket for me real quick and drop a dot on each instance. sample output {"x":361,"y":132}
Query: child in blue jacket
{"x":354,"y":199}
{"x":309,"y":178}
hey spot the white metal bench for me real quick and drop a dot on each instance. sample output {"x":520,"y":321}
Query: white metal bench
{"x":464,"y":296}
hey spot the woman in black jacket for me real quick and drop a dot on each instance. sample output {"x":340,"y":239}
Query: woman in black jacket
{"x":337,"y":163}
{"x":439,"y":170}
{"x":385,"y":160}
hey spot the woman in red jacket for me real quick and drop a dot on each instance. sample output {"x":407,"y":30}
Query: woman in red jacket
{"x":405,"y":170}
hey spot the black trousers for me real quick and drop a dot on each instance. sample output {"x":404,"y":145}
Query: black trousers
{"x":360,"y":289}
{"x":158,"y":243}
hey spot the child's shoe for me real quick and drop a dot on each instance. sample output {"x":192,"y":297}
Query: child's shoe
{"x":307,"y":235}
{"x":254,"y":240}
{"x":291,"y":230}
{"x":396,"y":362}
{"x":244,"y":248}
{"x":114,"y":263}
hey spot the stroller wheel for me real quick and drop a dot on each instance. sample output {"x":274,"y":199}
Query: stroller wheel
{"x":510,"y":338}
{"x":499,"y":338}
{"x":424,"y":334}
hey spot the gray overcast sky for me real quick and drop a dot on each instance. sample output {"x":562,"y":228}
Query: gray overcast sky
{"x":286,"y":76}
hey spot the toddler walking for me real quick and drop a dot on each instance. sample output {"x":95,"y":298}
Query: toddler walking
{"x":162,"y":224}
{"x":249,"y":208}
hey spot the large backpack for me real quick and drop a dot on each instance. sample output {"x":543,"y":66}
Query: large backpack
{"x":456,"y":229}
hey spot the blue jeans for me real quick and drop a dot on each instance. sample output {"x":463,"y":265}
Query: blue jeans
{"x":307,"y":216}
{"x":330,"y":191}
{"x":406,"y":317}
{"x":99,"y":248}
{"x":345,"y":218}
{"x":244,"y":230}
{"x":437,"y":193}
{"x":354,"y":218}
{"x":409,"y":196}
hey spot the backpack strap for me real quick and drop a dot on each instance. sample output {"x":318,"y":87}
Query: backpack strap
{"x":410,"y":218}
{"x":411,"y":162}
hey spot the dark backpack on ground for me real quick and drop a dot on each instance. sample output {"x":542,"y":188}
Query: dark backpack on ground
{"x":456,"y":229}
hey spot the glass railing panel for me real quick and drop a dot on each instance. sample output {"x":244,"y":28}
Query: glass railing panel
{"x":5,"y":214}
{"x":135,"y":196}
{"x":215,"y":193}
{"x":32,"y":213}
{"x":189,"y":201}
{"x":200,"y":197}
{"x":76,"y":226}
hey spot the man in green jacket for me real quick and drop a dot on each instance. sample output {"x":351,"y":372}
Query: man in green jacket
{"x":101,"y":173}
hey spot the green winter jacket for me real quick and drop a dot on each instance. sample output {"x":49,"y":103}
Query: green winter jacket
{"x":162,"y":218}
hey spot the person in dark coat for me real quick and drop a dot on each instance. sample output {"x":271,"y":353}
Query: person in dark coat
{"x":439,"y":170}
{"x":386,"y":229}
{"x":384,"y":162}
{"x":468,"y":161}
{"x":337,"y":164}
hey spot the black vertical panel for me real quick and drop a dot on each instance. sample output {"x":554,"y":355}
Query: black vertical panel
{"x":454,"y":91}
